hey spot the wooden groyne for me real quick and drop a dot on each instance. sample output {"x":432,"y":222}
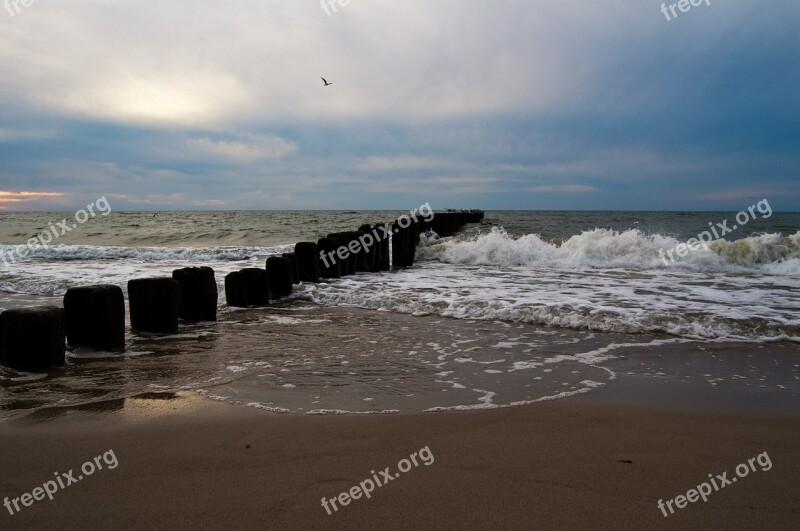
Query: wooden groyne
{"x":34,"y":339}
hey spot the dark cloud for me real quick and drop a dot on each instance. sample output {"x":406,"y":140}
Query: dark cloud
{"x":519,"y":104}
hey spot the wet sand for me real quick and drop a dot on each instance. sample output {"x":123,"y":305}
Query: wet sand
{"x":296,"y":357}
{"x":668,"y":415}
{"x":187,"y":463}
{"x":756,"y":379}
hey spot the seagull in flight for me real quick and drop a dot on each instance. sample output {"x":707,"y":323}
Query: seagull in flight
{"x":325,"y":81}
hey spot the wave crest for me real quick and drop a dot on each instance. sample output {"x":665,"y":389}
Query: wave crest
{"x":66,"y":253}
{"x":609,"y":249}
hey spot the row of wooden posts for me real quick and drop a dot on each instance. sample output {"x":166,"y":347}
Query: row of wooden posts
{"x":34,"y":339}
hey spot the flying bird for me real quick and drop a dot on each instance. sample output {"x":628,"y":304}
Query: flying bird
{"x":325,"y":81}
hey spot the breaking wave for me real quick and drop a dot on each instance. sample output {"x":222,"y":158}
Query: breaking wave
{"x":609,"y":249}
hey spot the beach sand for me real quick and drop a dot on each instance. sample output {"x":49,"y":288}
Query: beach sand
{"x":571,"y":464}
{"x":668,"y":415}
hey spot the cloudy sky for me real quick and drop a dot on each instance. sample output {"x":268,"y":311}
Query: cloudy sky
{"x":503,"y":104}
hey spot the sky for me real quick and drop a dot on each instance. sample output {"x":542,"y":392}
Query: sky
{"x":503,"y":104}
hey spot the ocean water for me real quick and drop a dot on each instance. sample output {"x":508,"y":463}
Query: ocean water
{"x":549,"y":290}
{"x":580,"y":270}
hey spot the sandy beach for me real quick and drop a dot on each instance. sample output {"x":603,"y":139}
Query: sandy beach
{"x":663,"y":416}
{"x":190,"y":463}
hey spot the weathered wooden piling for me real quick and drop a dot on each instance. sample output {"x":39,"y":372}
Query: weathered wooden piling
{"x":154,"y":304}
{"x":247,"y":287}
{"x":384,"y":249}
{"x":330,"y":265}
{"x":352,"y":258}
{"x":295,"y":266}
{"x":95,"y":317}
{"x":32,"y":339}
{"x":198,"y":293}
{"x":372,"y":247}
{"x":279,"y":276}
{"x":308,"y":262}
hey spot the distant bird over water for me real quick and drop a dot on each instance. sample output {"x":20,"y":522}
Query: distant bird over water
{"x":325,"y":81}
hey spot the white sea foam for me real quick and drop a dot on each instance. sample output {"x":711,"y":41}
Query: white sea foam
{"x":599,"y":280}
{"x":345,"y":412}
{"x":279,"y":319}
{"x":609,"y":249}
{"x":486,"y":401}
{"x":273,"y":409}
{"x":69,"y":253}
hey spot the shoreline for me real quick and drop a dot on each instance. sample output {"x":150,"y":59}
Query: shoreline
{"x":706,"y":377}
{"x":300,"y":357}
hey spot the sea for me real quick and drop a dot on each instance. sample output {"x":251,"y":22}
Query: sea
{"x":526,"y":306}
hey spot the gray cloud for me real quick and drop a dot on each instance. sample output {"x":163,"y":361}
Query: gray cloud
{"x":204,"y":104}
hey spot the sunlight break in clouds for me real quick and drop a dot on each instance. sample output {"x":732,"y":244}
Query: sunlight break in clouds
{"x":151,"y":98}
{"x":16,"y":197}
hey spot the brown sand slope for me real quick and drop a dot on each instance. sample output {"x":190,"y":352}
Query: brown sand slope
{"x":550,"y":466}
